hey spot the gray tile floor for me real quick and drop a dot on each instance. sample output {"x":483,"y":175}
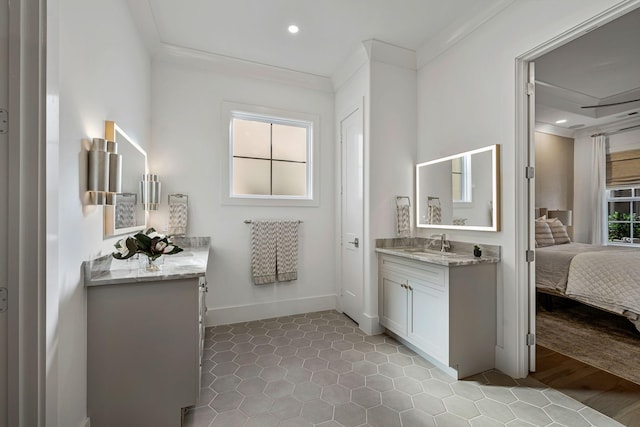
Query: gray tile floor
{"x":319,"y":369}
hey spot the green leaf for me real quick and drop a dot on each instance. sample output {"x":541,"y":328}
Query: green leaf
{"x":131,"y":245}
{"x":175,"y":250}
{"x":143,"y":242}
{"x":118,"y":255}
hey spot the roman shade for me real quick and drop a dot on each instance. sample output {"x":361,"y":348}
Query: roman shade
{"x":623,"y":168}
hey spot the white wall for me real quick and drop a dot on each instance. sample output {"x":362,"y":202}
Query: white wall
{"x":392,"y":130}
{"x":466,"y":99}
{"x":554,"y":171}
{"x":583,"y":199}
{"x":385,"y":85}
{"x":188,"y":153}
{"x":104,"y":73}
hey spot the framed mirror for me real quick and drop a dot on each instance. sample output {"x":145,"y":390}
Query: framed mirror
{"x":461,"y":191}
{"x":125,"y":214}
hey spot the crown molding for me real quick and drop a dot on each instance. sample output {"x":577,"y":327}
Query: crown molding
{"x":380,"y":51}
{"x":240,"y":67}
{"x":614,"y":127}
{"x":373,"y":50}
{"x":458,"y":30}
{"x":146,"y":24}
{"x":554,"y":130}
{"x":349,"y":67}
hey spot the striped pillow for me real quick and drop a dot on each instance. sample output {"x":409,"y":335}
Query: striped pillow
{"x":544,"y":237}
{"x":559,"y":232}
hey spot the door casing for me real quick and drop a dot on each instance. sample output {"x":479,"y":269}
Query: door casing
{"x":525,"y":291}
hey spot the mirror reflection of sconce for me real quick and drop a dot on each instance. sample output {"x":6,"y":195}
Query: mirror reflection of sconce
{"x":150,"y":192}
{"x":105,"y":172}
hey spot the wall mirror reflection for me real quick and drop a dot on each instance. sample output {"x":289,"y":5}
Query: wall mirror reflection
{"x":461,"y":191}
{"x":125,"y":213}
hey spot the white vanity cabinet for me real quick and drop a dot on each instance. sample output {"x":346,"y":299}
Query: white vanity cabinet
{"x":446,"y":313}
{"x":144,"y":349}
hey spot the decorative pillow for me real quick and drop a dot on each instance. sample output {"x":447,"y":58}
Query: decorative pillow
{"x":559,"y":232}
{"x":544,"y":237}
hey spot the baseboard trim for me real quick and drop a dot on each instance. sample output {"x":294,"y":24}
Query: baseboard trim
{"x":85,"y":423}
{"x":266,"y":310}
{"x":370,"y":325}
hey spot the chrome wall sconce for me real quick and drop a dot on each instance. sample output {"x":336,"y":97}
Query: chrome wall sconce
{"x":104,"y":172}
{"x":150,"y":190}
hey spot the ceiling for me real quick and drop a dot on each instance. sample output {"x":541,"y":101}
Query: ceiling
{"x":330,"y":30}
{"x":600,"y":67}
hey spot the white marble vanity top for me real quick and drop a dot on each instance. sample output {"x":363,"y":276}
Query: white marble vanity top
{"x":106,"y":270}
{"x":436,"y":258}
{"x":418,"y":249}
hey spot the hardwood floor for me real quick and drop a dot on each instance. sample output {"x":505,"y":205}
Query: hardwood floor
{"x":604,"y":392}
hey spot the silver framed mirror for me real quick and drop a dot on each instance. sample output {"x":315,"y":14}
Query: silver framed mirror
{"x":460,"y":192}
{"x":125,"y":213}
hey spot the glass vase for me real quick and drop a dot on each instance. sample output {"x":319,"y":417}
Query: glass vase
{"x":149,"y":265}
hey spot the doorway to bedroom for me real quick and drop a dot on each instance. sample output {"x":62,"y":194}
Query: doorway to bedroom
{"x":584,"y":104}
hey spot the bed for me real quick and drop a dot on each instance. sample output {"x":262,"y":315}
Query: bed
{"x":606,"y":277}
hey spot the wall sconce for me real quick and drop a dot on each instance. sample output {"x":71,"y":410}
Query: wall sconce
{"x":104,"y":172}
{"x":150,"y":192}
{"x":565,"y":217}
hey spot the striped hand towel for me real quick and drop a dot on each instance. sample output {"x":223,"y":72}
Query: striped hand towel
{"x":287,"y":250}
{"x":263,"y":251}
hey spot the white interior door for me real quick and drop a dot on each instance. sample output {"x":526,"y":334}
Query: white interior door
{"x":4,"y":153}
{"x":352,"y":215}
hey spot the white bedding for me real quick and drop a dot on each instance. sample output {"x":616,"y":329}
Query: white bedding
{"x":604,"y":276}
{"x":611,"y":278}
{"x":552,"y":263}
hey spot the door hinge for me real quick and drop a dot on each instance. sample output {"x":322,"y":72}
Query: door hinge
{"x":530,"y":255}
{"x":531,"y":339}
{"x":529,"y":172}
{"x":4,"y":299}
{"x":531,"y":88}
{"x":4,"y":121}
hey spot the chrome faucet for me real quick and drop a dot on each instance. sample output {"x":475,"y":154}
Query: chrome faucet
{"x":444,"y":243}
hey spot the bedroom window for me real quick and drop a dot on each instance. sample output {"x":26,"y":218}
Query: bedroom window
{"x":623,"y":221}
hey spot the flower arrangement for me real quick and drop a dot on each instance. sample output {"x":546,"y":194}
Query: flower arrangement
{"x":150,"y":243}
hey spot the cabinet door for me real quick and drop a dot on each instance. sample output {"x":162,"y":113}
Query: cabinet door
{"x":429,"y":319}
{"x":394,"y":304}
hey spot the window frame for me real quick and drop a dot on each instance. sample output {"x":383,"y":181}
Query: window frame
{"x":635,"y":197}
{"x":276,"y":116}
{"x":466,"y":192}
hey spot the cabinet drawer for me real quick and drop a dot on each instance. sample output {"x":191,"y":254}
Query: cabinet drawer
{"x":422,"y":271}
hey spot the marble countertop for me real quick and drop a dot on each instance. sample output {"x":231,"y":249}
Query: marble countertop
{"x":106,"y":270}
{"x":449,"y":260}
{"x":418,"y":249}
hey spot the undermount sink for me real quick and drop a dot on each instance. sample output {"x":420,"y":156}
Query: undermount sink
{"x":425,"y":251}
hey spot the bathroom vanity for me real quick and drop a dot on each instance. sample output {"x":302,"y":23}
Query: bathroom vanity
{"x":441,"y":305}
{"x":145,"y":337}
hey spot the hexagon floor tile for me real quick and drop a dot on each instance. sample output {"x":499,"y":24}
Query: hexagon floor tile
{"x":318,"y":369}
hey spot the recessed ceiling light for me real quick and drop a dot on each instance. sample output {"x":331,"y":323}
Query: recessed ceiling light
{"x":559,"y":122}
{"x":293,"y":29}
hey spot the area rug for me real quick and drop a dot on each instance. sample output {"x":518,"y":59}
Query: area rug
{"x":593,"y":336}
